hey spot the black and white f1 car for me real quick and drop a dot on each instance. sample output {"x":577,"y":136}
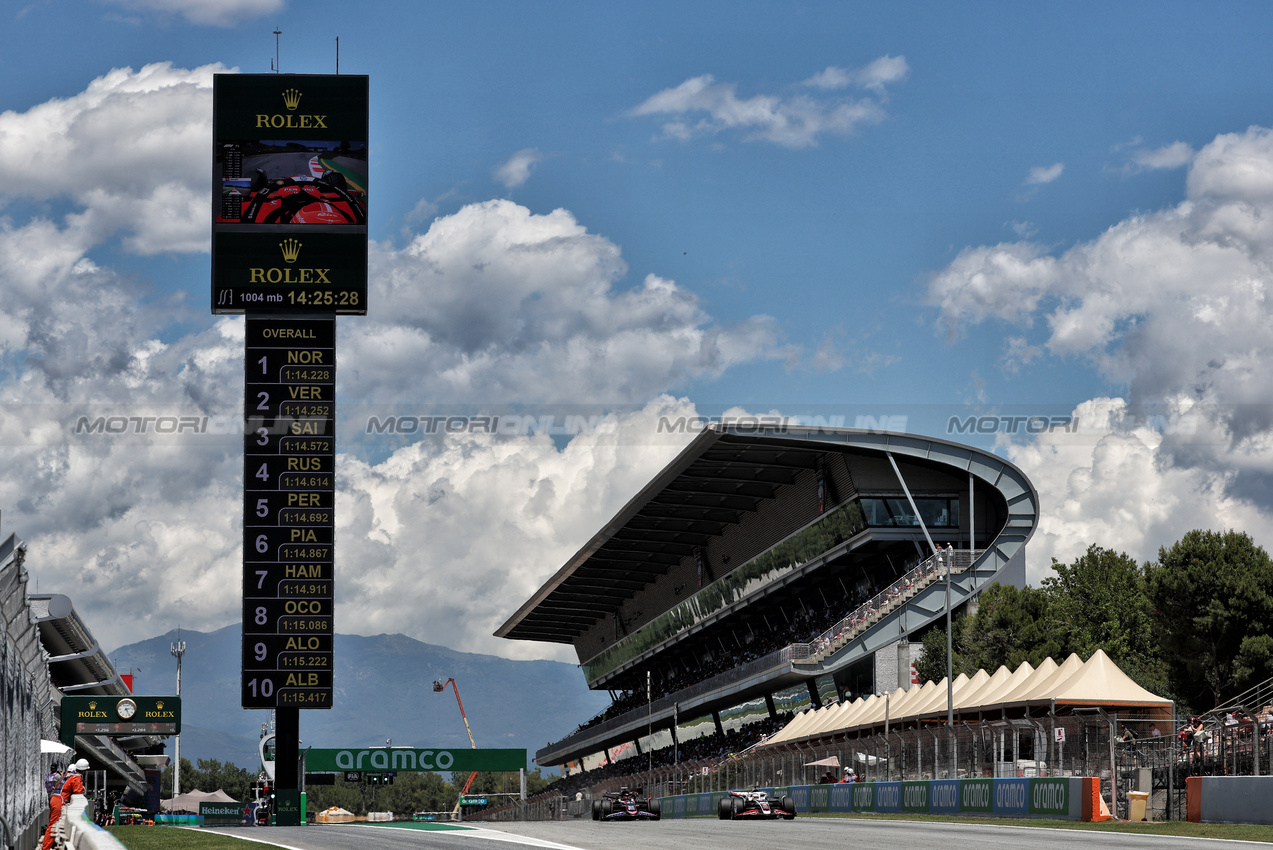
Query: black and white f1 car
{"x":755,"y":805}
{"x":626,"y":805}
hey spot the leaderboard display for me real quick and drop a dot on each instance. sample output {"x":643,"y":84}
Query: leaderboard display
{"x":289,"y":456}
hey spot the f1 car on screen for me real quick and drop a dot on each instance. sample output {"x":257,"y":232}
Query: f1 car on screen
{"x":755,"y":805}
{"x":320,"y":197}
{"x":626,"y":805}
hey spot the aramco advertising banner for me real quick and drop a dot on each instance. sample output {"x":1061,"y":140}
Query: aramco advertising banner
{"x":414,"y":759}
{"x":289,"y":194}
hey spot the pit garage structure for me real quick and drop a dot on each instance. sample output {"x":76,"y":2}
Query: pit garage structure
{"x":78,"y":666}
{"x":773,"y":568}
{"x":47,"y":652}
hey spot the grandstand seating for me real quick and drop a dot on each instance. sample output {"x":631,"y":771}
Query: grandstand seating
{"x":821,"y":643}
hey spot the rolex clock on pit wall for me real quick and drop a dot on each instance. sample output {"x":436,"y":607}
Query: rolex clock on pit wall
{"x":126,"y":708}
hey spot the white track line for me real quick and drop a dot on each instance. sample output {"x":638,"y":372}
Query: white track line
{"x":467,"y":831}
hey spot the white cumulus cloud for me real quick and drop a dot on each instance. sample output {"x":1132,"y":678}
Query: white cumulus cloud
{"x":701,"y":106}
{"x":1176,"y":305}
{"x":220,"y":13}
{"x":129,"y":153}
{"x":516,"y":170}
{"x":1044,"y":174}
{"x":495,"y":302}
{"x":1174,"y":155}
{"x":493,"y":307}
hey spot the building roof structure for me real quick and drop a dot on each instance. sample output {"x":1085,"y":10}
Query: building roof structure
{"x":748,"y":532}
{"x":710,"y":486}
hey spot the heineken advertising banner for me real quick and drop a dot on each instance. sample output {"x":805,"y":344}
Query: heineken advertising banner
{"x":412,"y":759}
{"x":221,"y":814}
{"x":1012,"y":797}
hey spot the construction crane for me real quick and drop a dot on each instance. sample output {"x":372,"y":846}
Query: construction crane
{"x":438,"y":687}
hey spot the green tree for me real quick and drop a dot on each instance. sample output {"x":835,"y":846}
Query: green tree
{"x":931,"y":666}
{"x":410,"y":792}
{"x":210,"y":775}
{"x":502,"y":783}
{"x":1011,"y":626}
{"x":1099,"y":602}
{"x":350,"y":796}
{"x":228,"y":777}
{"x":1212,"y":601}
{"x":189,"y":779}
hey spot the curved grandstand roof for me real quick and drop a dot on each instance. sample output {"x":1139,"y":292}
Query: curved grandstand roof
{"x":739,"y":512}
{"x":724,"y":473}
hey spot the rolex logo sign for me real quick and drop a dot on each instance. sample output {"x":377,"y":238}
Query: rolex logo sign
{"x":297,"y":121}
{"x":159,"y":705}
{"x":92,"y":706}
{"x":291,"y":250}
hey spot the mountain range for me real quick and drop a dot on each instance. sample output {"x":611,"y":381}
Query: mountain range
{"x":383,"y":691}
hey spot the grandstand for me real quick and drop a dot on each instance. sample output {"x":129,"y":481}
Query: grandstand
{"x":766,"y":570}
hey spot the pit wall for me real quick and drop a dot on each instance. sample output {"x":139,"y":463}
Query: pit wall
{"x":1229,"y":799}
{"x":1067,"y":798}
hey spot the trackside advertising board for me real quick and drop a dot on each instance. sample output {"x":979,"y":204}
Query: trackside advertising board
{"x":289,"y":194}
{"x":414,"y":759}
{"x":221,"y":814}
{"x":1068,"y":798}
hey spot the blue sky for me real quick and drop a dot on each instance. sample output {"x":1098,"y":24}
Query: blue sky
{"x":924,"y":210}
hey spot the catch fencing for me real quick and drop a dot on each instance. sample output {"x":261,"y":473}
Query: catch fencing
{"x":1124,"y":754}
{"x":26,"y":708}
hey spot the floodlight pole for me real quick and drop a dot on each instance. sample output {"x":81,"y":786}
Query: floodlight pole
{"x":177,"y":649}
{"x":649,"y":723}
{"x":950,"y":658}
{"x":277,"y":64}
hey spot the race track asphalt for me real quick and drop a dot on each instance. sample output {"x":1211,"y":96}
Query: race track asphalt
{"x":712,"y":834}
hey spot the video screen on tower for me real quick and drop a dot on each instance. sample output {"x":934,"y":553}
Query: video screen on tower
{"x":289,"y":194}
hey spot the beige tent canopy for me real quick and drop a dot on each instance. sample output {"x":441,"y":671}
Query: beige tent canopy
{"x":189,"y":801}
{"x":1072,"y":684}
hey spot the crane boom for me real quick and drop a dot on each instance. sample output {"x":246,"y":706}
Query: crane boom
{"x":441,"y":686}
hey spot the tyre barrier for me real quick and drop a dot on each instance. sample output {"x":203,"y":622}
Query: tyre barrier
{"x":1064,"y":798}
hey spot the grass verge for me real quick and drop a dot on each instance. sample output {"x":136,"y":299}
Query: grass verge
{"x":177,"y":838}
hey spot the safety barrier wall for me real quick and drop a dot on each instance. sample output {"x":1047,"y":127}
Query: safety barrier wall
{"x":79,"y":831}
{"x":1065,"y":798}
{"x":1229,"y":799}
